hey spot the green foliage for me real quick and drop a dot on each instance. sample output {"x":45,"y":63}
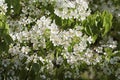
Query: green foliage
{"x":98,"y":24}
{"x":107,"y":21}
{"x":116,"y":2}
{"x":65,"y":23}
{"x":5,"y":38}
{"x":16,"y":6}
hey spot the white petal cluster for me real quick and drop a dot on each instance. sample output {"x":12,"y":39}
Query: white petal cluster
{"x":77,"y":9}
{"x":3,"y":7}
{"x":68,"y":74}
{"x":39,"y":40}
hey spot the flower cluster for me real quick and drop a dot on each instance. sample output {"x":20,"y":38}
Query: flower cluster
{"x":77,"y":9}
{"x":3,"y":7}
{"x":41,"y":50}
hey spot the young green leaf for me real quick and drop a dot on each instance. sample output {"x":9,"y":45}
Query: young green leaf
{"x":107,"y":21}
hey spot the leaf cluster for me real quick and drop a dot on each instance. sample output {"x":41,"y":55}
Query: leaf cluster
{"x":98,"y":25}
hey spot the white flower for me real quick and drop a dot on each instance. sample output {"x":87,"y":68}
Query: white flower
{"x":78,"y":33}
{"x":17,"y":63}
{"x":90,"y":40}
{"x":99,"y":49}
{"x":72,"y":9}
{"x":68,"y":74}
{"x":114,"y":60}
{"x":107,"y":71}
{"x":111,"y":43}
{"x":3,"y":7}
{"x":5,"y":62}
{"x":59,"y":60}
{"x":43,"y":76}
{"x":14,"y":50}
{"x":25,"y":49}
{"x":41,"y":59}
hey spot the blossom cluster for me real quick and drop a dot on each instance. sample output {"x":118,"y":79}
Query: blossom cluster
{"x":3,"y":7}
{"x":41,"y":50}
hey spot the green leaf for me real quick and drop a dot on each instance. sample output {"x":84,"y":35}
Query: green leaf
{"x":23,"y":74}
{"x":58,"y":21}
{"x":109,"y":51}
{"x":97,"y":25}
{"x":16,"y":6}
{"x":2,"y":18}
{"x":5,"y":42}
{"x":94,"y":38}
{"x":88,"y":30}
{"x":37,"y":77}
{"x":7,"y":39}
{"x":36,"y":67}
{"x":107,"y":21}
{"x":3,"y":46}
{"x":1,"y":25}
